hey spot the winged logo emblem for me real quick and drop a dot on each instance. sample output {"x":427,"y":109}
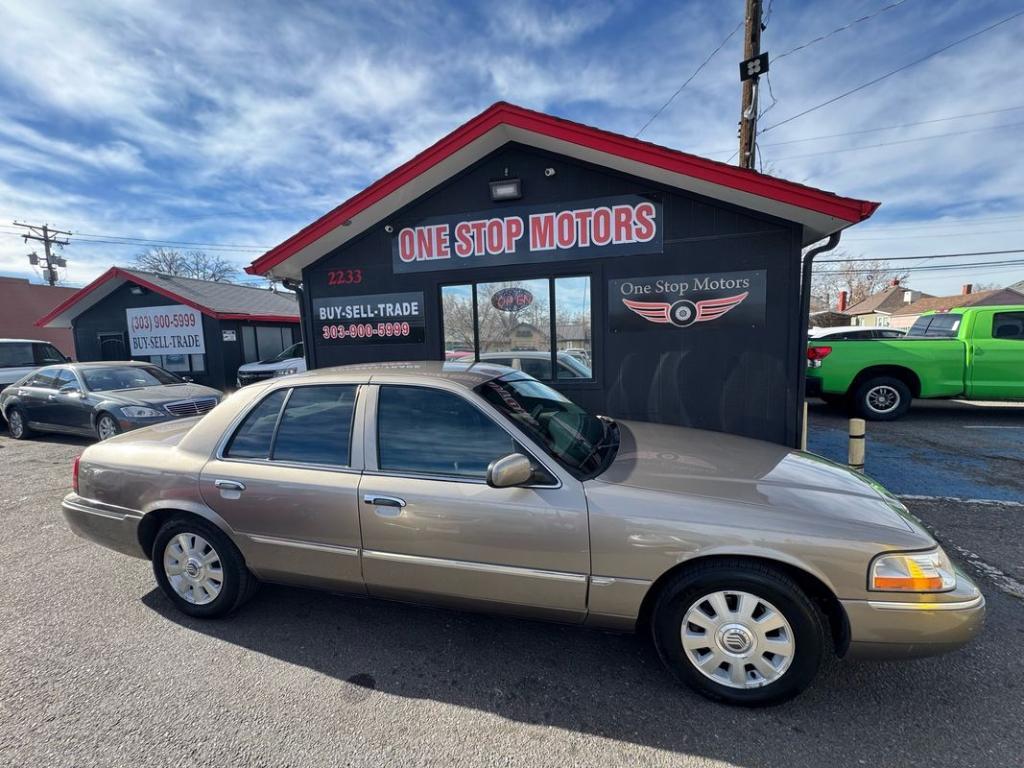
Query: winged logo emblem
{"x":684,"y":312}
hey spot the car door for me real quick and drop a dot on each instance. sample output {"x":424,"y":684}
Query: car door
{"x":285,"y":480}
{"x":997,"y":355}
{"x":34,"y":396}
{"x":66,"y":407}
{"x":434,"y":530}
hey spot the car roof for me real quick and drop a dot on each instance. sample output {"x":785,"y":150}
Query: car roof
{"x":466,"y":373}
{"x":25,"y":341}
{"x":108,"y":364}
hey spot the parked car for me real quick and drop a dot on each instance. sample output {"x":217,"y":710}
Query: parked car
{"x":290,"y":360}
{"x":476,"y":486}
{"x":975,"y":352}
{"x":100,"y":399}
{"x":538,"y":364}
{"x":19,"y":357}
{"x":850,"y":332}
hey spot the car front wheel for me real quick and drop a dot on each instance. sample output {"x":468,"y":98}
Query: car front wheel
{"x":107,"y":427}
{"x":740,"y":632}
{"x":199,"y":569}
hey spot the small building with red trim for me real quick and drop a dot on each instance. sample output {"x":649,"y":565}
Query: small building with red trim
{"x":643,"y":282}
{"x":197,"y":328}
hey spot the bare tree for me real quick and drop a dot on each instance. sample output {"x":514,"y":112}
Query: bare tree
{"x":195,"y":264}
{"x":859,"y":279}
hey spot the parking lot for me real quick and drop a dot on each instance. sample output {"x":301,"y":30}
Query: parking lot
{"x":96,"y":668}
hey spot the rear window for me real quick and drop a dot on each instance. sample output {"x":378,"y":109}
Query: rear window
{"x":943,"y":326}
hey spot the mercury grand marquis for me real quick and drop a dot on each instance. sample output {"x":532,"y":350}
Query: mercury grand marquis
{"x":471,"y":485}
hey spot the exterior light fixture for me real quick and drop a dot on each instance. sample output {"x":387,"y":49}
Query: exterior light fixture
{"x":506,"y":189}
{"x":137,"y":290}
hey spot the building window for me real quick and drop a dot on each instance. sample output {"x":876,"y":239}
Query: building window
{"x":180,"y":363}
{"x":514,"y":323}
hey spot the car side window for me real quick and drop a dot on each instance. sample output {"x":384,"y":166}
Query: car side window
{"x":429,"y":431}
{"x":539,"y":368}
{"x":64,"y":378}
{"x":16,"y":354}
{"x":316,"y":425}
{"x":43,"y":379}
{"x":1008,"y":325}
{"x":47,"y":354}
{"x":254,"y":435}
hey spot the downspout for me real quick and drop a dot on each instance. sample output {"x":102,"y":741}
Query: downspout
{"x":805,"y":311}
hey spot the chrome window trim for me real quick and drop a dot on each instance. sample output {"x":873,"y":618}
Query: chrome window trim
{"x":466,"y":565}
{"x":960,"y":605}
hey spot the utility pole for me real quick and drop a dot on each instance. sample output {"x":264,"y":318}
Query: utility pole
{"x":753,"y":65}
{"x":47,"y":237}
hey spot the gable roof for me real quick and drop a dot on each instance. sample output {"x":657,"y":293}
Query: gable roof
{"x":887,"y":301}
{"x":820,"y":213}
{"x":981,"y":298}
{"x":223,"y":301}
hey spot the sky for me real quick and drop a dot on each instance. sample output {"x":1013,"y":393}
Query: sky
{"x":233,"y":125}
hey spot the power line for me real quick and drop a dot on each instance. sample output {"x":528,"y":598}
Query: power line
{"x":838,"y":29}
{"x":930,"y":256}
{"x":889,"y":74}
{"x":938,"y":234}
{"x":696,"y":72}
{"x":980,"y":221}
{"x":139,"y":242}
{"x":1017,"y":263}
{"x":900,"y":141}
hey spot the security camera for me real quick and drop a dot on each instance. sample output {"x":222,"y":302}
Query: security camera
{"x":549,"y":172}
{"x":388,"y":228}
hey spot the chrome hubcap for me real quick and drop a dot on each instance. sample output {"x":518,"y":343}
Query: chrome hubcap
{"x":107,"y":428}
{"x":193,"y":568}
{"x":883,"y":398}
{"x":16,"y":424}
{"x":737,"y":639}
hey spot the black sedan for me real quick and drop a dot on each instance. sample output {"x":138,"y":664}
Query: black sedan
{"x":100,"y":399}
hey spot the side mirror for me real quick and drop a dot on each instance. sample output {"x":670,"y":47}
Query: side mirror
{"x":70,"y":389}
{"x":508,"y":471}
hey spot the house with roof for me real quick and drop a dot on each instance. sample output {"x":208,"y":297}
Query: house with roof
{"x":878,"y":308}
{"x":906,"y":316}
{"x":200,"y":329}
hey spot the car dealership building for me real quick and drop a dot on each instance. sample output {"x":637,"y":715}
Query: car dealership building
{"x":200,"y":329}
{"x":643,"y":282}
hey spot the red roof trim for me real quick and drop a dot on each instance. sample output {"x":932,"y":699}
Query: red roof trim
{"x":847,"y":209}
{"x":117,"y":272}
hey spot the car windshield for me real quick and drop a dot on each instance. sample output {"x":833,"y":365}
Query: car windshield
{"x":295,"y":350}
{"x":581,"y":442}
{"x":109,"y":378}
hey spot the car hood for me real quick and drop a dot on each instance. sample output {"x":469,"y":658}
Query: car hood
{"x":159,"y":395}
{"x":696,"y":462}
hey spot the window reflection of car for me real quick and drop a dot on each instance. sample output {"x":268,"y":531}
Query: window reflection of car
{"x":583,"y":355}
{"x":472,"y":485}
{"x":854,"y":332}
{"x":288,"y":361}
{"x":100,"y":399}
{"x":538,"y":364}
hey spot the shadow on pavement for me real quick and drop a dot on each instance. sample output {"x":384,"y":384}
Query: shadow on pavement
{"x":610,"y":685}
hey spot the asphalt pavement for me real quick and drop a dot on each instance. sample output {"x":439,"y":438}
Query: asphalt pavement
{"x":97,"y":669}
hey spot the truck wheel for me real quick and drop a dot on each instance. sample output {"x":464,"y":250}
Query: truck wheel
{"x":883,"y":398}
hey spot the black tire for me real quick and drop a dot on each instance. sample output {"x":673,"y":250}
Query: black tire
{"x":108,"y":419}
{"x":810,"y":634}
{"x":237,"y":584}
{"x":888,"y":390}
{"x":17,"y":424}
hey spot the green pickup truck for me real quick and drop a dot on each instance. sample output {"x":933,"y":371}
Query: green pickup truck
{"x":973,"y":352}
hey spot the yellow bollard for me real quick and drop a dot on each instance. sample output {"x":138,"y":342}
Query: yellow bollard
{"x":856,"y":453}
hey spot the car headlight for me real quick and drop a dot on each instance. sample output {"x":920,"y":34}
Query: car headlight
{"x":140,"y":412}
{"x":286,"y":371}
{"x":929,"y":571}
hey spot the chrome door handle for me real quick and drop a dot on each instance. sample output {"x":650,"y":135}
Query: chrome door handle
{"x":229,"y":485}
{"x":51,"y":398}
{"x":384,"y":501}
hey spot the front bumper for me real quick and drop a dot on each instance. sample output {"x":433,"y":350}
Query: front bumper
{"x":113,"y":527}
{"x":889,"y":628}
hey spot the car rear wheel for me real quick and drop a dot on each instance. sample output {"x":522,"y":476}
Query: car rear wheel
{"x":199,"y":569}
{"x":883,"y":398}
{"x":740,"y":632}
{"x":107,"y":427}
{"x":17,"y":424}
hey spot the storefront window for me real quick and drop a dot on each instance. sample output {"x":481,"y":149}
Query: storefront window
{"x":511,"y":323}
{"x":573,"y":328}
